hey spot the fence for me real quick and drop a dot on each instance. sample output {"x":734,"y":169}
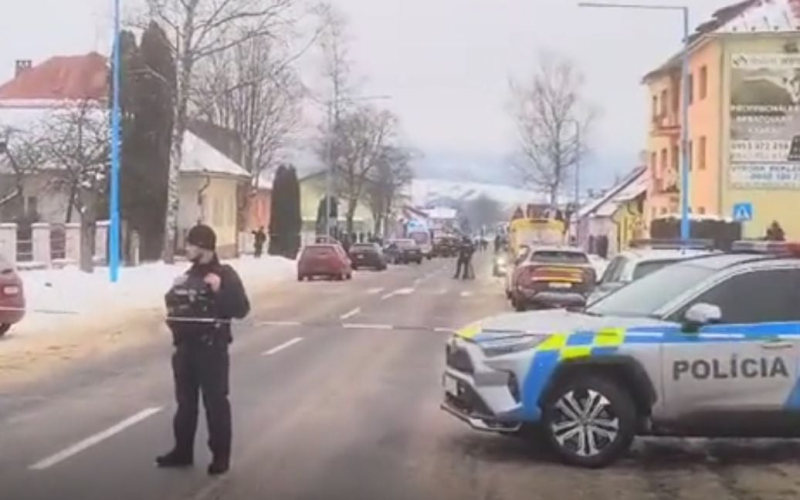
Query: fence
{"x":40,"y":245}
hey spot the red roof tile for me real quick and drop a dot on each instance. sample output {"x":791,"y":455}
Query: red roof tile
{"x":61,"y":77}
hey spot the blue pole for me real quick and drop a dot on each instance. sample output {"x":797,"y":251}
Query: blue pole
{"x":114,"y":237}
{"x":685,"y":228}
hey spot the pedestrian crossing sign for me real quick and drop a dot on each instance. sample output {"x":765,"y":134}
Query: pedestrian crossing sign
{"x":743,"y":212}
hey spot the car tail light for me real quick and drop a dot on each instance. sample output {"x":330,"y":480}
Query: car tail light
{"x":11,"y":290}
{"x":557,"y":273}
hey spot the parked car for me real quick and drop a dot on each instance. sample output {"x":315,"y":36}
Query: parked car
{"x":12,"y":297}
{"x":403,"y":251}
{"x":645,"y":257}
{"x":367,"y":255}
{"x":445,"y":246}
{"x":328,"y":260}
{"x":552,"y":277}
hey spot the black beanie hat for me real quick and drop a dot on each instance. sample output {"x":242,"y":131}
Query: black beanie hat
{"x":202,"y":236}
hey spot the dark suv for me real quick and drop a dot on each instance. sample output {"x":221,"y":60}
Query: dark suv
{"x":367,"y":255}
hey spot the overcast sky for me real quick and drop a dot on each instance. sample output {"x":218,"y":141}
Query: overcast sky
{"x":446,"y":63}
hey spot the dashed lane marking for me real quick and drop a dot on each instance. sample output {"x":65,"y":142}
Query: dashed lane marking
{"x":466,"y":294}
{"x":281,"y":347}
{"x":94,"y":440}
{"x":358,"y":326}
{"x":350,"y":314}
{"x":279,"y":323}
{"x":375,"y":291}
{"x":401,"y":291}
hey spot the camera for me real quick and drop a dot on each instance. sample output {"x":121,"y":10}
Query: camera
{"x":191,"y":305}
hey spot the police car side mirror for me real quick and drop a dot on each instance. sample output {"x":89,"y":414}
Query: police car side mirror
{"x":700,"y":315}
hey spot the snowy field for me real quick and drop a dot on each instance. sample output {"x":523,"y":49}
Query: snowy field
{"x":55,"y":296}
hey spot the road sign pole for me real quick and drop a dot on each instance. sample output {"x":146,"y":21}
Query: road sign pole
{"x":114,"y":237}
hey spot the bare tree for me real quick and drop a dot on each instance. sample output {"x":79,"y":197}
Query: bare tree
{"x":75,"y":148}
{"x":359,"y":143}
{"x":20,"y":158}
{"x":202,"y":29}
{"x":393,"y":172}
{"x":552,"y":123}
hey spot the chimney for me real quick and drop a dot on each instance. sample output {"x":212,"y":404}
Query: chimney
{"x":22,"y":66}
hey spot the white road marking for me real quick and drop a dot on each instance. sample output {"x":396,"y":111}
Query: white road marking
{"x":357,"y":326}
{"x":283,"y":346}
{"x":400,"y":291}
{"x":443,"y":330}
{"x":374,"y":291}
{"x":466,"y":294}
{"x":93,"y":440}
{"x":350,"y":314}
{"x":279,"y":323}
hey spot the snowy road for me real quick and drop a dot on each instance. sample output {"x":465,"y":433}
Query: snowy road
{"x":335,"y":393}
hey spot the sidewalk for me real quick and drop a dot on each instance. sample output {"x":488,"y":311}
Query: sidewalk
{"x":71,"y":314}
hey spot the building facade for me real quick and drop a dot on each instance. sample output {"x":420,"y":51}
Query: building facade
{"x":744,"y":119}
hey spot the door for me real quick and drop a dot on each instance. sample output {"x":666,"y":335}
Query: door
{"x":747,"y":364}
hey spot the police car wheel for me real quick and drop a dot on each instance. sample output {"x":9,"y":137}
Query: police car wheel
{"x":590,"y":422}
{"x":4,"y":328}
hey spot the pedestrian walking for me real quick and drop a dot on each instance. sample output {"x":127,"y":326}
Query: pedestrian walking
{"x":260,"y":237}
{"x":200,"y":307}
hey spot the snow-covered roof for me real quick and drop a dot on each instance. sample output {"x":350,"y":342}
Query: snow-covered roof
{"x":199,"y":157}
{"x":441,"y":213}
{"x":633,"y":185}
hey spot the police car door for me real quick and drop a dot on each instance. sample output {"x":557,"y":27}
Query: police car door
{"x":746,"y":364}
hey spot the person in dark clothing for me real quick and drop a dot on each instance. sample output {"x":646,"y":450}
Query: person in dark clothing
{"x":775,"y":232}
{"x":258,"y":243}
{"x":464,"y":261}
{"x":200,"y":362}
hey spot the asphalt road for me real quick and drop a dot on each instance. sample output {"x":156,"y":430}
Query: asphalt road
{"x":335,"y":390}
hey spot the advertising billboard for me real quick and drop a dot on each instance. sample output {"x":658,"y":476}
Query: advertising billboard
{"x":765,"y":121}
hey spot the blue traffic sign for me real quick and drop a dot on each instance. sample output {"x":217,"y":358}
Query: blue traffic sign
{"x":743,"y":212}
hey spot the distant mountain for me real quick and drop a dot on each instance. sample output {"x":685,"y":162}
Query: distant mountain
{"x":438,"y":192}
{"x":465,"y":167}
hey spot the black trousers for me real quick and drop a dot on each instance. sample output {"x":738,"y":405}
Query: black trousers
{"x":463,"y":268}
{"x":202,"y":369}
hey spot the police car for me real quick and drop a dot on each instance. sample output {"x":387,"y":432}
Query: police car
{"x":645,"y":257}
{"x":709,"y":346}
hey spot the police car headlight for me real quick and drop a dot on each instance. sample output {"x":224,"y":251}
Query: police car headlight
{"x":501,"y":261}
{"x":509,"y":344}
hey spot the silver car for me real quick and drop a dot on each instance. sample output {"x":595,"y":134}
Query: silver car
{"x":706,"y":347}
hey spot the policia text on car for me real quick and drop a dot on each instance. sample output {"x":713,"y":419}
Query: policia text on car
{"x":200,"y":307}
{"x":735,"y":367}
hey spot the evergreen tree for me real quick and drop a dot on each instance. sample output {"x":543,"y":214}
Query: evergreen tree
{"x":278,"y":214}
{"x":294,"y":223}
{"x":146,"y":97}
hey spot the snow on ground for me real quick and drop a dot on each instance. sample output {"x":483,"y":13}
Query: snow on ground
{"x":54,"y":296}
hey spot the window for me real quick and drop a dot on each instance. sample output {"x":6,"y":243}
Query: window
{"x":764,"y":296}
{"x":701,"y":154}
{"x":559,"y":257}
{"x":703,"y":82}
{"x":649,"y":267}
{"x":654,"y":163}
{"x":664,"y":100}
{"x":663,"y":210}
{"x":663,"y":161}
{"x":655,"y":107}
{"x":31,"y":206}
{"x":676,"y":153}
{"x":613,"y":273}
{"x":691,"y":88}
{"x":701,"y":210}
{"x":646,"y":296}
{"x":691,"y":154}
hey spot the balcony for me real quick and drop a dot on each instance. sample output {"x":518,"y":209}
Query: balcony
{"x":665,"y":124}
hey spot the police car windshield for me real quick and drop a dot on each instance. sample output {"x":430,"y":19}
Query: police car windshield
{"x":644,"y":297}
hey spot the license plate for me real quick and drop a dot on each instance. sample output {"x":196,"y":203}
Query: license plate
{"x":561,"y":286}
{"x":450,"y":386}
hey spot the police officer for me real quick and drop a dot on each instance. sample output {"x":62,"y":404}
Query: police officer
{"x":200,"y":362}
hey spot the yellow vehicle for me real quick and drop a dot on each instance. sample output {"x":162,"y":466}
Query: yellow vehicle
{"x":527,"y":232}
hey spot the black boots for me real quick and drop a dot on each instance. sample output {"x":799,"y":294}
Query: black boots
{"x":175,"y":459}
{"x":218,"y":466}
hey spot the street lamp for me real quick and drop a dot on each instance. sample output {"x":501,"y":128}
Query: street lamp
{"x":333,"y":120}
{"x":685,"y":108}
{"x":114,"y":237}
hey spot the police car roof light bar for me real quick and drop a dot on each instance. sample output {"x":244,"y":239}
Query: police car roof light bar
{"x":779,"y":248}
{"x":669,"y":244}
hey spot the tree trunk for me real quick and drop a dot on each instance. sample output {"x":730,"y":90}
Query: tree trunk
{"x":178,"y":130}
{"x":351,"y":213}
{"x":88,"y":232}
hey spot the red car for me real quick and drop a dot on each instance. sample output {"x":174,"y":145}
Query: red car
{"x":329,"y":260}
{"x":12,"y":298}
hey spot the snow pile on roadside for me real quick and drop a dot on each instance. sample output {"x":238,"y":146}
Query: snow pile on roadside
{"x":600,"y":264}
{"x":55,"y":296}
